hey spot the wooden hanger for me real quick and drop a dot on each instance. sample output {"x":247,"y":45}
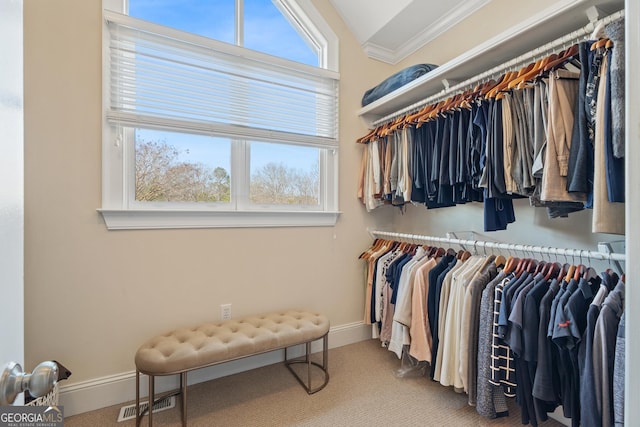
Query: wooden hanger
{"x":563,"y":58}
{"x":539,"y":267}
{"x":524,"y":71}
{"x":377,"y":244}
{"x":552,"y":270}
{"x":600,"y":43}
{"x":511,"y":265}
{"x":500,"y":261}
{"x":504,"y":82}
{"x":520,"y":266}
{"x":531,"y":266}
{"x":422,"y":118}
{"x":580,"y":270}
{"x":431,"y":113}
{"x":462,"y":99}
{"x":570,"y":271}
{"x":449,"y":103}
{"x":367,"y":138}
{"x":413,"y":118}
{"x":488,"y":87}
{"x":438,"y":253}
{"x":532,"y":73}
{"x":537,"y":71}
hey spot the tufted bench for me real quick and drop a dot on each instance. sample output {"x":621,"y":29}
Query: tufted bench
{"x":186,"y":349}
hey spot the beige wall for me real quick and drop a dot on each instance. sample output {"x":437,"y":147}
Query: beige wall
{"x":92,"y":295}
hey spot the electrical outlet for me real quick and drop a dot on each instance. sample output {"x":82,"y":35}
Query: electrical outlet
{"x":225,"y":311}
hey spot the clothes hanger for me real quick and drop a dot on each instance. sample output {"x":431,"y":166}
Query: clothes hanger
{"x":521,"y":81}
{"x":439,"y":253}
{"x":524,"y":71}
{"x":520,"y":266}
{"x":488,"y":87}
{"x":579,"y":271}
{"x":601,"y":43}
{"x":423,"y":118}
{"x":511,"y":264}
{"x":538,"y":268}
{"x":510,"y":75}
{"x":377,"y":243}
{"x":463,"y":100}
{"x":567,"y":55}
{"x":531,"y":266}
{"x":552,"y":270}
{"x":590,"y":273}
{"x":500,"y":261}
{"x":448,"y":104}
{"x":464,"y":255}
{"x":367,"y":138}
{"x":431,"y":112}
{"x":537,"y":72}
{"x":413,"y":118}
{"x":570,"y":272}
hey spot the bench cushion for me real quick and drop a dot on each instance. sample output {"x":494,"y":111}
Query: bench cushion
{"x":190,"y":348}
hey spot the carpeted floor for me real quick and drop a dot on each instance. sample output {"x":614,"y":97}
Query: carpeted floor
{"x":364,"y":390}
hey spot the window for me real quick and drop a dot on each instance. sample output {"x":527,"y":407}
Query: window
{"x":201,"y":132}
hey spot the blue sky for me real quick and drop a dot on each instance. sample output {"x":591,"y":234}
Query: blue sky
{"x":266,"y":30}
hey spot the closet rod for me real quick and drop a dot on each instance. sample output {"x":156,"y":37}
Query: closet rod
{"x":573,"y":253}
{"x":541,"y":51}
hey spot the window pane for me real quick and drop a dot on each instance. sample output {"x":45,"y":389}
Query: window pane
{"x":211,"y":18}
{"x":178,"y":167}
{"x":284,"y":174}
{"x":267,"y":30}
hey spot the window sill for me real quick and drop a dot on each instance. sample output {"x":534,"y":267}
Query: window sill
{"x":163,"y":219}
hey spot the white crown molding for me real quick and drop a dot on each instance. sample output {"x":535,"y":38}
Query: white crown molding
{"x":381,"y":53}
{"x":442,"y":26}
{"x":120,"y":388}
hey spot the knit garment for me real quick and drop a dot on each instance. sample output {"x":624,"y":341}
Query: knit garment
{"x":615,"y":32}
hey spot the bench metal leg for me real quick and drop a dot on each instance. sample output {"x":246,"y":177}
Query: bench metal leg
{"x":183,"y":387}
{"x":151,"y":394}
{"x":138,"y":415}
{"x":153,"y":400}
{"x":307,"y":360}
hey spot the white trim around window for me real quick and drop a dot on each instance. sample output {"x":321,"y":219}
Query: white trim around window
{"x":121,"y":114}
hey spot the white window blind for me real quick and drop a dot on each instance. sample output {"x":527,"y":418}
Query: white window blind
{"x":168,"y":79}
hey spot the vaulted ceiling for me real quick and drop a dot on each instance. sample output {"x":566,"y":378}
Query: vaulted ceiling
{"x":392,"y":30}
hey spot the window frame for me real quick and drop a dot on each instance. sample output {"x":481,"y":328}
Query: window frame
{"x":118,"y":157}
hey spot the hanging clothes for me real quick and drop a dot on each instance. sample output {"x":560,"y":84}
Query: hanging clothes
{"x":539,"y":332}
{"x":533,"y":134}
{"x":608,"y":217}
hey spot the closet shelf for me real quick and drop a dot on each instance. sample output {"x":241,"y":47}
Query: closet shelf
{"x":561,"y":18}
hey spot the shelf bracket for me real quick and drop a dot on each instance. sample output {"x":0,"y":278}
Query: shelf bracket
{"x":447,"y":83}
{"x":454,"y":235}
{"x":607,"y":248}
{"x":593,"y":13}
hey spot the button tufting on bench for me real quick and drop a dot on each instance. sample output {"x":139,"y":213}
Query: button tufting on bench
{"x":185,"y":349}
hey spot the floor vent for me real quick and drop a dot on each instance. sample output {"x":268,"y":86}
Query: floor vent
{"x":129,"y":412}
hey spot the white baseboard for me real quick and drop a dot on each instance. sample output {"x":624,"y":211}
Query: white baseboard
{"x":121,"y":388}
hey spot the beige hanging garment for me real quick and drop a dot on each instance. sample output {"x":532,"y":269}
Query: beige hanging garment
{"x":607,"y":217}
